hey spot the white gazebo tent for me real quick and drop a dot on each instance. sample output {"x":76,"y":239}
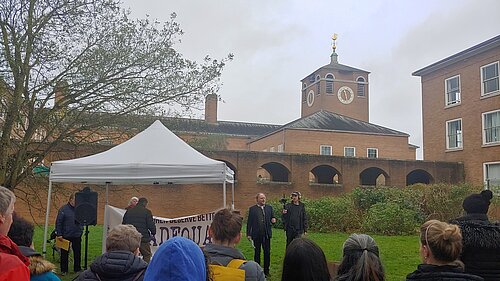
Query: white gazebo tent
{"x":155,"y":156}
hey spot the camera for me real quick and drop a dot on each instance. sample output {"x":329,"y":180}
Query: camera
{"x":283,"y":200}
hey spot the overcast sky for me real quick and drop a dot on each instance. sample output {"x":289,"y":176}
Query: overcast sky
{"x":277,"y":43}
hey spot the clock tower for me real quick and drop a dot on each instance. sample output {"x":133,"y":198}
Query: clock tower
{"x":336,"y":88}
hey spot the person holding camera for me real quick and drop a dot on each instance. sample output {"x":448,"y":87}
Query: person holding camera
{"x":259,"y":229}
{"x":294,"y":218}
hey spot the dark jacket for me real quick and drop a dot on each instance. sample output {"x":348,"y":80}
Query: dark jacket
{"x":296,"y":218}
{"x":481,"y":245}
{"x":254,"y":213}
{"x":441,"y":273}
{"x":115,"y":265}
{"x":142,"y":219}
{"x":222,"y":255}
{"x":66,"y":226}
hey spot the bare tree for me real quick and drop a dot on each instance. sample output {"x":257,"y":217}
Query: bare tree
{"x":70,"y":68}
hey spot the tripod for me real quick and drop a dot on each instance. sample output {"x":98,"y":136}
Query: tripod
{"x":86,"y":244}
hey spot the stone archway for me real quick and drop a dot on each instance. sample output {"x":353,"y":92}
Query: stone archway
{"x":325,"y":174}
{"x":419,"y":176}
{"x":374,"y":176}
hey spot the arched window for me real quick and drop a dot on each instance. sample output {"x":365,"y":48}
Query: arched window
{"x":329,"y":83}
{"x":361,"y":86}
{"x":318,"y":88}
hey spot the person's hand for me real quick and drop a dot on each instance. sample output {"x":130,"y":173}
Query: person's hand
{"x":305,"y":234}
{"x":273,"y":220}
{"x":249,"y":237}
{"x":59,"y":238}
{"x":284,"y":211}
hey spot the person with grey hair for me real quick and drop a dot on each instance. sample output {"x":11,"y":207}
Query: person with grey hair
{"x":132,"y":203}
{"x":7,"y":246}
{"x":360,"y":260}
{"x":12,"y":262}
{"x":121,"y":261}
{"x":259,"y":229}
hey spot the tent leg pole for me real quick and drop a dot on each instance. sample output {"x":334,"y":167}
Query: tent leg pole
{"x":107,"y":191}
{"x":232,"y":201}
{"x":44,"y":250}
{"x":224,"y":195}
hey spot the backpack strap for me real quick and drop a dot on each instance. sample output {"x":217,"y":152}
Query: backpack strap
{"x":235,"y":263}
{"x":138,"y":275}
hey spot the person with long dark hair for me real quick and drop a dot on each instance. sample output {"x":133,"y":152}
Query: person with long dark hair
{"x":440,"y":247}
{"x":360,"y":261}
{"x":304,"y":261}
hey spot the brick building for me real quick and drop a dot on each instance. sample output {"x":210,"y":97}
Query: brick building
{"x":461,"y":111}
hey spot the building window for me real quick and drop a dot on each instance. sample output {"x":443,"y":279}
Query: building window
{"x":492,"y":175}
{"x":329,"y":83}
{"x":280,"y":147}
{"x":491,"y":127}
{"x":271,"y":149}
{"x":361,"y":87}
{"x":372,"y":153}
{"x":452,"y":86}
{"x":349,"y":151}
{"x":489,"y":78}
{"x":454,"y":134}
{"x":325,"y":150}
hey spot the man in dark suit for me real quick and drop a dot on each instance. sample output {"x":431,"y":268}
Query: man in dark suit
{"x":260,"y":219}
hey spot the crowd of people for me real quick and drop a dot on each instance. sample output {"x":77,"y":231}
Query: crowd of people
{"x":466,"y":248}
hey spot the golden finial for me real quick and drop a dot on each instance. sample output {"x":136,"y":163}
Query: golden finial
{"x":334,"y":38}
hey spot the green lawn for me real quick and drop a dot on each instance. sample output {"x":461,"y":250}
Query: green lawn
{"x":399,"y":253}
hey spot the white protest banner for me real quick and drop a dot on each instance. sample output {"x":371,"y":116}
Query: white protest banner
{"x":194,"y":227}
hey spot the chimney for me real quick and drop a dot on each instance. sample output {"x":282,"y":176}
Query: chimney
{"x":59,"y":91}
{"x":211,"y":108}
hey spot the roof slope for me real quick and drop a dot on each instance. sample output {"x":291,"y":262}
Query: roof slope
{"x":221,"y":127}
{"x":328,"y":121}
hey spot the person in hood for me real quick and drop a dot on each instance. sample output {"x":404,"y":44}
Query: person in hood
{"x":21,"y":232}
{"x":225,"y":232}
{"x":480,"y":237}
{"x":121,"y":261}
{"x":177,"y":259}
{"x":440,"y":247}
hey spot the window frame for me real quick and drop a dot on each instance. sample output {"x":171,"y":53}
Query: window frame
{"x":361,"y":84}
{"x":483,"y":94}
{"x":485,"y":171}
{"x":280,"y":147}
{"x":483,"y":115}
{"x":353,"y":151}
{"x":325,"y":146}
{"x":368,"y":152}
{"x":461,"y":141}
{"x":329,"y":83}
{"x":447,"y":92}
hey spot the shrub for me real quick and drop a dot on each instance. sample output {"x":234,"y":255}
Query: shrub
{"x":365,"y":197}
{"x":390,"y":219}
{"x":330,"y":214}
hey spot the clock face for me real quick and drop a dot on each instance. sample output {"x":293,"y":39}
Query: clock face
{"x":310,"y":98}
{"x":345,"y":95}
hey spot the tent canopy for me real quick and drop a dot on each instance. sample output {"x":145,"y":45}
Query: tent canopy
{"x":154,"y":156}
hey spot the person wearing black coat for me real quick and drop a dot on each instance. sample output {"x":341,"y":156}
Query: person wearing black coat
{"x":142,"y":219}
{"x":259,"y":229}
{"x":440,"y":247}
{"x":120,"y":262}
{"x":67,"y":228}
{"x":481,"y":238}
{"x":294,"y":218}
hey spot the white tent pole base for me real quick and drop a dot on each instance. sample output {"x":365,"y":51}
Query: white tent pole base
{"x":44,"y":251}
